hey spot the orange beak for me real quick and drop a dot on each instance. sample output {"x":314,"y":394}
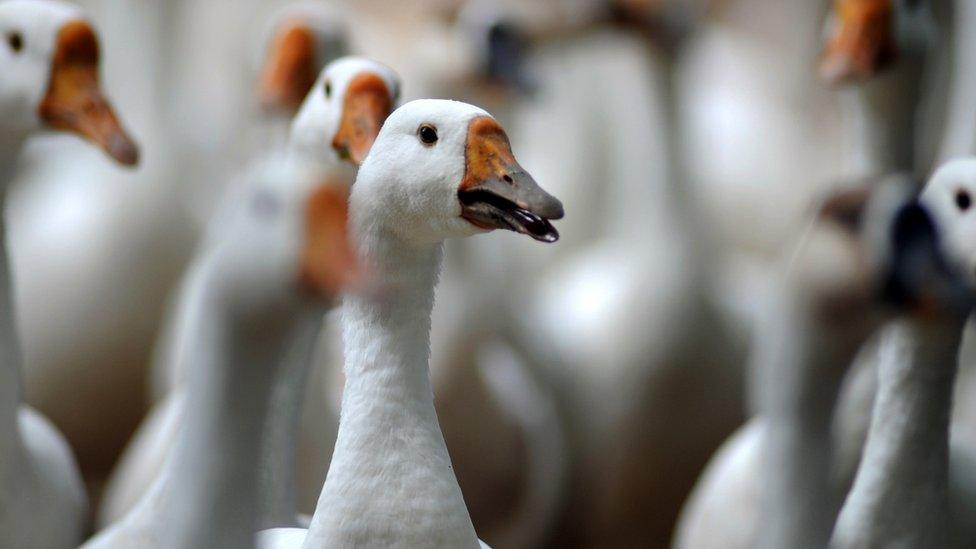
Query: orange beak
{"x":497,"y":193}
{"x":862,"y":43}
{"x":329,"y":263}
{"x":74,"y":101}
{"x":289,"y":70}
{"x":366,"y":106}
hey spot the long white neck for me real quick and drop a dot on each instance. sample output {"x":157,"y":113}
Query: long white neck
{"x":10,"y":356}
{"x":279,"y":499}
{"x":884,"y":110}
{"x":899,"y":498}
{"x":958,"y":138}
{"x":801,"y":368}
{"x":214,"y":478}
{"x":391,"y":482}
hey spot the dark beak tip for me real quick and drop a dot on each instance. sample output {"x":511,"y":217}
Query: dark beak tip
{"x":124,"y":150}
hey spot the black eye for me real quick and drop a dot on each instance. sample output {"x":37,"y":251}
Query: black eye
{"x":427,"y":134}
{"x":328,"y":88}
{"x":963,"y":200}
{"x":16,"y":41}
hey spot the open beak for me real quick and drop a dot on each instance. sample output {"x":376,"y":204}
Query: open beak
{"x":289,"y":70}
{"x":496,"y":193}
{"x":861,"y":43}
{"x":74,"y":101}
{"x":921,"y":280}
{"x":367,"y":104}
{"x":329,"y":263}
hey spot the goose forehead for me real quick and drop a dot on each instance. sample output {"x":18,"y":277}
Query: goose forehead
{"x":38,"y":18}
{"x":954,"y":174}
{"x":343,"y":70}
{"x":440,"y":111}
{"x":319,"y":18}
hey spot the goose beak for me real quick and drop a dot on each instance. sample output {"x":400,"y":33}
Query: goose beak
{"x":367,"y":104}
{"x":861,"y":41}
{"x":921,"y":279}
{"x":74,"y":100}
{"x":289,"y":70}
{"x":328,"y":262}
{"x":496,"y":193}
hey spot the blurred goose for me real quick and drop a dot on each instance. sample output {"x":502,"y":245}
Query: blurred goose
{"x":50,"y":62}
{"x":278,"y":262}
{"x":338,"y":120}
{"x":439,"y":169}
{"x":901,"y":495}
{"x":771,"y":483}
{"x":880,"y":45}
{"x":624,"y":336}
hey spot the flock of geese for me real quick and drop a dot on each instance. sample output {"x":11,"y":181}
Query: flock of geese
{"x":631,"y":386}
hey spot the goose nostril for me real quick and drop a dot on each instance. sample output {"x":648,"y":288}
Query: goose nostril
{"x":508,"y":179}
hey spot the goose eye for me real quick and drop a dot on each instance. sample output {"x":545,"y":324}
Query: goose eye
{"x":963,"y":200}
{"x":427,"y":134}
{"x":328,"y":88}
{"x":16,"y":41}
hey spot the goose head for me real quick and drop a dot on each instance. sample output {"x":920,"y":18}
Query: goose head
{"x":342,"y":114}
{"x":49,"y":59}
{"x":873,"y":252}
{"x":303,"y":38}
{"x":442,"y":169}
{"x":860,"y":39}
{"x":951,"y":196}
{"x":286,"y":243}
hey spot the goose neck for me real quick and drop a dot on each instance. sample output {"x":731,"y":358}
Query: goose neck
{"x":389,"y":439}
{"x":902,"y":479}
{"x":802,"y":366}
{"x":215,"y":482}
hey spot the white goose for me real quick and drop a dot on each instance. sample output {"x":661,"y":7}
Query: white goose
{"x":439,"y":169}
{"x":339,"y":119}
{"x":50,"y":60}
{"x":279,"y":262}
{"x":770,"y":482}
{"x":903,"y":492}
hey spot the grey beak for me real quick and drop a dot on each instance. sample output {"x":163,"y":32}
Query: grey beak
{"x":920,"y":275}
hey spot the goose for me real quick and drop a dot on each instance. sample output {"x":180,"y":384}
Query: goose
{"x":779,"y":466}
{"x":901,"y":494}
{"x":339,"y":119}
{"x":281,"y":258}
{"x":438,"y":169}
{"x":881,"y":46}
{"x":626,"y":336}
{"x":50,"y":63}
{"x":304,"y":38}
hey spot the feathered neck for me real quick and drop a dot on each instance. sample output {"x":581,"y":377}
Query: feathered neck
{"x":391,"y":481}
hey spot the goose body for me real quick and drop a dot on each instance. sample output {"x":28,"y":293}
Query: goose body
{"x":360,"y":91}
{"x":430,"y":176}
{"x":50,"y":64}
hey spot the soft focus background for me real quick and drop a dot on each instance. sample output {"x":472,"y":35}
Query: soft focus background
{"x":581,"y":387}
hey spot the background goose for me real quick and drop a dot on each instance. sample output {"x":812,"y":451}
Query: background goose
{"x":772,"y":480}
{"x":50,"y":60}
{"x":280,"y":260}
{"x":339,"y":119}
{"x":438,"y":169}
